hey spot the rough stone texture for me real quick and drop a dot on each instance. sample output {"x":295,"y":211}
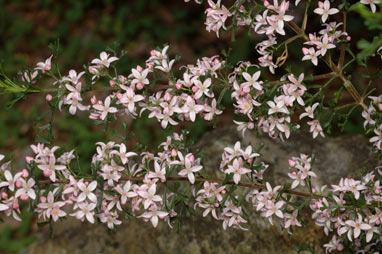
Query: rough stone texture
{"x":336,"y":158}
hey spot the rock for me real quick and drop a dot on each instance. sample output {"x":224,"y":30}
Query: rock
{"x":336,"y":157}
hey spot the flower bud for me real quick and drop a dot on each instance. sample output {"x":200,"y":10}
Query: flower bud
{"x":178,"y":86}
{"x":25,"y":173}
{"x":29,"y":159}
{"x":48,"y":97}
{"x":15,"y":205}
{"x":47,"y":173}
{"x":173,"y":153}
{"x":42,"y":199}
{"x":292,"y":163}
{"x":139,"y":68}
{"x":24,"y":196}
{"x":195,"y":89}
{"x":139,"y":86}
{"x":167,"y":96}
{"x":251,"y":126}
{"x":19,"y":183}
{"x":340,"y":247}
{"x":112,"y":83}
{"x":119,"y":96}
{"x":93,"y":100}
{"x":4,"y":195}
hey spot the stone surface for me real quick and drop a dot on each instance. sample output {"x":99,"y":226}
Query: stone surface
{"x":336,"y":158}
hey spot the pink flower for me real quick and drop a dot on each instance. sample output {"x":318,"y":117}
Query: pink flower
{"x":252,"y":80}
{"x":309,"y":111}
{"x":123,"y":154}
{"x":273,"y":208}
{"x":192,"y":108}
{"x":104,"y":60}
{"x":57,"y":212}
{"x":325,"y":44}
{"x":10,"y":181}
{"x":372,"y":4}
{"x":154,"y":215}
{"x":111,"y":219}
{"x":27,"y":188}
{"x":87,"y":191}
{"x":160,"y":172}
{"x":105,"y":109}
{"x":73,"y":76}
{"x":203,"y":88}
{"x":324,"y":10}
{"x":212,"y":111}
{"x":237,"y":169}
{"x":45,"y":66}
{"x":278,"y":107}
{"x":130,"y":98}
{"x":50,"y":168}
{"x":291,"y":219}
{"x":150,"y":196}
{"x":358,"y":226}
{"x":85,"y":211}
{"x":189,"y":170}
{"x":311,"y":54}
{"x":125,"y":192}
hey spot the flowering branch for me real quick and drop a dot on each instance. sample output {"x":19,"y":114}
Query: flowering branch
{"x":200,"y":180}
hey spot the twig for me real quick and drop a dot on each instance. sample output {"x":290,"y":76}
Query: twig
{"x":343,"y":46}
{"x":185,"y":179}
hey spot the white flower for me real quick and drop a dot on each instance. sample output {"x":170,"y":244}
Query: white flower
{"x":125,"y":192}
{"x":252,"y":80}
{"x":105,"y":109}
{"x":104,"y":60}
{"x":311,"y":54}
{"x":86,"y":210}
{"x":129,"y":99}
{"x":189,"y":170}
{"x":87,"y":191}
{"x":154,"y":216}
{"x":275,"y":108}
{"x":324,"y":10}
{"x":11,"y":181}
{"x":372,"y":4}
{"x":202,"y":88}
{"x":27,"y":188}
{"x":140,"y":77}
{"x":358,"y":226}
{"x":309,"y":111}
{"x":45,"y":66}
{"x":192,"y":108}
{"x":237,"y":169}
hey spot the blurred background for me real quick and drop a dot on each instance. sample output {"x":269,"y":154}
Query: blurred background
{"x":84,"y":29}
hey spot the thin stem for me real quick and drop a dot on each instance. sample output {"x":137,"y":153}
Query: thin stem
{"x":343,"y":46}
{"x":346,"y":82}
{"x":185,"y":179}
{"x":317,"y":77}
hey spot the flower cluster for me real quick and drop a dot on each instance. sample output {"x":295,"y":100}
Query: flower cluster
{"x":373,"y":120}
{"x":350,"y":214}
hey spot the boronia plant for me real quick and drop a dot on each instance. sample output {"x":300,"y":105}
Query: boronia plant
{"x":167,"y":184}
